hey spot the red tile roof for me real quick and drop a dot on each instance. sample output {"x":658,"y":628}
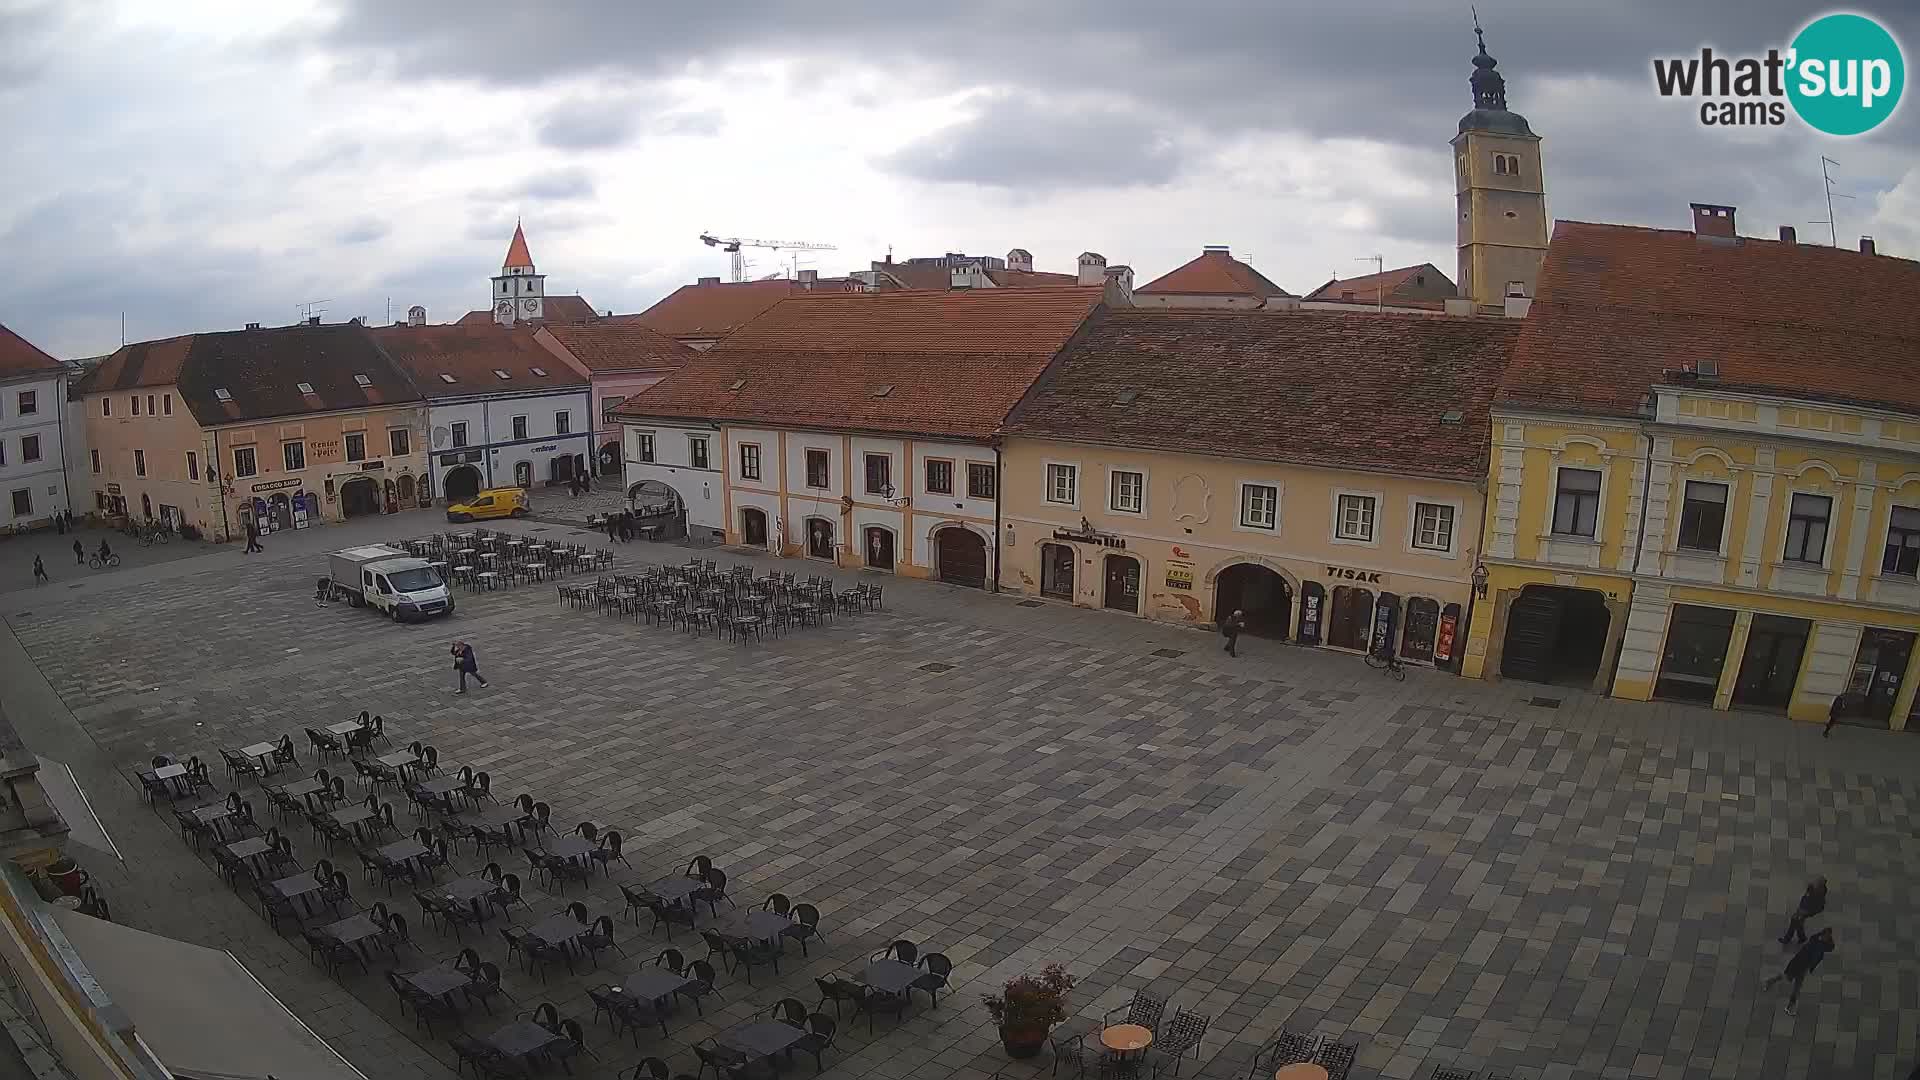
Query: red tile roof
{"x":556,"y":308}
{"x":621,"y":343}
{"x":714,"y":310}
{"x":473,"y":355}
{"x":945,"y":364}
{"x":517,"y":253}
{"x":1323,"y":388}
{"x":1617,"y":305}
{"x":1392,"y":282}
{"x":20,"y":357}
{"x":1214,"y":273}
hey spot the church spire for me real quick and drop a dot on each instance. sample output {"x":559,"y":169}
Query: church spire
{"x":1489,"y":88}
{"x":517,"y":253}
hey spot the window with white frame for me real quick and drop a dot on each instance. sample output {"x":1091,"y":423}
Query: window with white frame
{"x":1260,"y":506}
{"x":1433,"y":526}
{"x":1576,"y":503}
{"x":1063,"y":483}
{"x":749,"y":461}
{"x":1353,"y":520}
{"x":1127,"y":491}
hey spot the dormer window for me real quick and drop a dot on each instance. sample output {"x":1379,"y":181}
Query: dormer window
{"x":446,"y":378}
{"x":305,"y":388}
{"x":362,"y":380}
{"x":501,"y":374}
{"x":220,"y":394}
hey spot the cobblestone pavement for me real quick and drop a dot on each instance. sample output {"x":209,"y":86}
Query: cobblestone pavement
{"x":1434,"y":871}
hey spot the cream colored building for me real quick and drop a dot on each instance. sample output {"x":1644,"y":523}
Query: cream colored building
{"x":1181,"y":465}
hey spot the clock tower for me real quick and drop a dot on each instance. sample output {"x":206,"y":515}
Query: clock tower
{"x":519,"y":294}
{"x":1500,"y":194}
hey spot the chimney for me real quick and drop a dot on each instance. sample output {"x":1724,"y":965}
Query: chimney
{"x":1093,"y":268}
{"x":1020,"y":259}
{"x":1710,"y":219}
{"x":809,"y":277}
{"x":709,"y":281}
{"x":1866,"y":245}
{"x":1788,"y":236}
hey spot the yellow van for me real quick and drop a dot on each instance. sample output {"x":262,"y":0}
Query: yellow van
{"x":491,"y":503}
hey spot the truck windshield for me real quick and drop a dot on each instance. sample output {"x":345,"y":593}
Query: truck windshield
{"x":414,"y":580}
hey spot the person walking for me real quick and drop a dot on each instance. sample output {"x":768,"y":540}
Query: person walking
{"x":1812,"y":902}
{"x":465,"y":664}
{"x":1802,"y":965}
{"x":253,"y":539}
{"x":1230,"y":629}
{"x":79,"y":553}
{"x":39,"y":571}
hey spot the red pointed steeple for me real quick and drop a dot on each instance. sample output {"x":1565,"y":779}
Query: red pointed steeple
{"x":517,"y":253}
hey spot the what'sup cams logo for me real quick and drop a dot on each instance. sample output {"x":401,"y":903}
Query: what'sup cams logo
{"x":1843,"y":75}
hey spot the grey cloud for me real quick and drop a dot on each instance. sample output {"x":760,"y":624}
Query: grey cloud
{"x":1026,"y":142}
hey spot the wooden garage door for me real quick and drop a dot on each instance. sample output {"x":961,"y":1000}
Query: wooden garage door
{"x":962,"y":557}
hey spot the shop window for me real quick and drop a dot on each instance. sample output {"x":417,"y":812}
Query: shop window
{"x":1807,"y":519}
{"x":981,"y":481}
{"x":1576,"y":503}
{"x":1903,"y":543}
{"x":817,"y":465}
{"x":1703,"y":516}
{"x":1696,"y":653}
{"x":749,"y":461}
{"x":939,"y":477}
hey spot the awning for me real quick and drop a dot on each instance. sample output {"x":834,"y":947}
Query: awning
{"x":228,"y":1025}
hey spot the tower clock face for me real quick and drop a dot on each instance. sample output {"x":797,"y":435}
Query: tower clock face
{"x":504,"y":307}
{"x":529,"y":304}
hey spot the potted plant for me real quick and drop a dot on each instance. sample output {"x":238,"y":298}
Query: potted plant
{"x":1026,"y":1008}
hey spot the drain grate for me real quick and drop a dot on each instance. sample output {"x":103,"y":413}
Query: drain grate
{"x":1028,"y":603}
{"x":1169,"y":653}
{"x":936,"y":667}
{"x":1545,"y":702}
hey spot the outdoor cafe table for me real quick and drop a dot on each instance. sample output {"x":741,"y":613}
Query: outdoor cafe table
{"x":521,"y":1038}
{"x":301,"y":885}
{"x":353,"y":930}
{"x":891,"y":976}
{"x":558,"y":930}
{"x":344,"y":727}
{"x":437,"y":981}
{"x":654,"y":984}
{"x":767,"y":1038}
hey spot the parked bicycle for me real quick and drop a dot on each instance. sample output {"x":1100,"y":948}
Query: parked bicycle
{"x":1383,"y":659}
{"x":97,"y":563}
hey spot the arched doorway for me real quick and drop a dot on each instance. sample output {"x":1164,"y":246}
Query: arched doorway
{"x":659,"y":507}
{"x":461,"y":484}
{"x":1123,"y":583}
{"x":1056,"y":571}
{"x":819,"y":538}
{"x":753,"y":527}
{"x":1259,"y":591}
{"x":1423,"y":623}
{"x":1555,"y":634}
{"x":960,"y":555}
{"x":1350,"y":622}
{"x":878,"y":547}
{"x":359,"y":497}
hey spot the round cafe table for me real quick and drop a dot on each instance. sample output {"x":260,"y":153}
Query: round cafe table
{"x":1128,"y":1038}
{"x":1302,"y":1071}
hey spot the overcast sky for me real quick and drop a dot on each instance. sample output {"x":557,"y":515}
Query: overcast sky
{"x":198,"y":166}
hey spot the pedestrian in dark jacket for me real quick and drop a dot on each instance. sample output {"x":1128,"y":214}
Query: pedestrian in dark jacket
{"x":1812,"y":902}
{"x":1802,"y":965}
{"x":79,"y":553}
{"x":1230,"y":628}
{"x":465,"y":664}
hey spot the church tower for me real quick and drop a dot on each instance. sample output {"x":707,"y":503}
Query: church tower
{"x":519,"y":294}
{"x":1500,"y":192}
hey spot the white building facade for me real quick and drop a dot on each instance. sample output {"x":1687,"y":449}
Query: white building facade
{"x":33,"y":448}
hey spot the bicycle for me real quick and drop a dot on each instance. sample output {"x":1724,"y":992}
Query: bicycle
{"x":1383,"y":659}
{"x":96,"y":563}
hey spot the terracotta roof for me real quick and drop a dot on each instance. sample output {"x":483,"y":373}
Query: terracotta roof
{"x":622,"y":343}
{"x":716,"y":309}
{"x":1391,"y":282}
{"x":1617,"y":305}
{"x":20,"y":357}
{"x":910,"y":363}
{"x":1312,"y":387}
{"x":473,"y":355}
{"x":260,"y":371}
{"x":1214,"y":273}
{"x":517,"y":253}
{"x":557,"y":309}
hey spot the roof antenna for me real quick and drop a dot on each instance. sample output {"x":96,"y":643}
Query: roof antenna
{"x":1833,"y":230}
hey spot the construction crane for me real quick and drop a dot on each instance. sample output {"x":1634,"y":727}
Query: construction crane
{"x":732,"y":245}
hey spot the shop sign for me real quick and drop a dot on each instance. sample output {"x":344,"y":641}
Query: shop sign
{"x":1180,"y":576}
{"x":113,"y":489}
{"x":1085,"y":534}
{"x":276,"y":485}
{"x":1443,"y":645}
{"x":1346,"y":573}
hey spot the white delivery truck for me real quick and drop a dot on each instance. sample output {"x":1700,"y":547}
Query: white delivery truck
{"x":389,"y":579}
